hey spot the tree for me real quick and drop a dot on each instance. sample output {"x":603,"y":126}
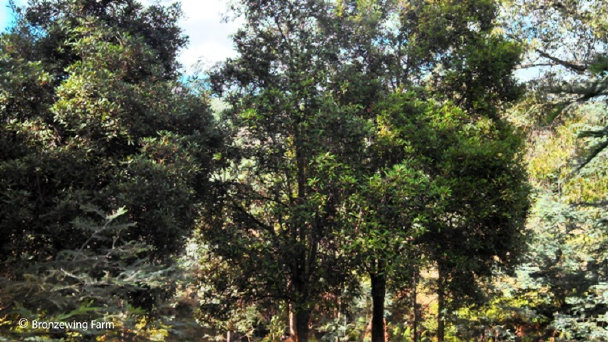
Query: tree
{"x":390,"y":214}
{"x":393,"y":201}
{"x":447,"y":59}
{"x":306,"y":93}
{"x":557,"y":289}
{"x":289,"y":177}
{"x":478,"y":199}
{"x":566,"y":46}
{"x":94,"y":122}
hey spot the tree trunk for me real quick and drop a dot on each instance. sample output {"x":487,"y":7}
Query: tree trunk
{"x":440,"y":304}
{"x":378,"y":293}
{"x":414,"y":305}
{"x":339,"y":316}
{"x":300,"y":325}
{"x":292,"y":323}
{"x":229,"y":336}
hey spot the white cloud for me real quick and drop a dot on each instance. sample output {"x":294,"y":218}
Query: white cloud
{"x":209,"y":35}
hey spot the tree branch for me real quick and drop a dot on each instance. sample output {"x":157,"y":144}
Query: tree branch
{"x":570,"y":65}
{"x":598,"y":148}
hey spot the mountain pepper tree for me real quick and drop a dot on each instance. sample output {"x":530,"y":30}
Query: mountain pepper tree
{"x":295,"y":141}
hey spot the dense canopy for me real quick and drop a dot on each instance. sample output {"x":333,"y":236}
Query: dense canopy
{"x":371,"y":170}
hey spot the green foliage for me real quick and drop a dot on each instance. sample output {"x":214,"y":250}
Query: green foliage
{"x":368,"y":158}
{"x":472,"y":163}
{"x":330,"y":173}
{"x":294,"y":144}
{"x":566,"y":44}
{"x":93,"y":120}
{"x":88,"y":282}
{"x":558,"y":290}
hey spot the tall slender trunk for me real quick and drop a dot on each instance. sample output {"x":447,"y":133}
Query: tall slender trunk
{"x":415,"y":305}
{"x":299,"y":314}
{"x":339,"y":316}
{"x":440,"y":303}
{"x":298,"y":324}
{"x":378,"y":293}
{"x":292,"y":322}
{"x":229,"y":336}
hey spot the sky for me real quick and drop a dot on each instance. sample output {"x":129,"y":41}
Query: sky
{"x":5,"y":13}
{"x":209,"y":36}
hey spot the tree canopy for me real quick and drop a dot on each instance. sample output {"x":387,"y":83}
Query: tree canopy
{"x":105,"y":158}
{"x":371,"y":170}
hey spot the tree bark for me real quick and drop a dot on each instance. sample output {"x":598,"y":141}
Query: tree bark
{"x":414,"y":305}
{"x":300,"y":325}
{"x":292,"y":323}
{"x":440,"y":304}
{"x":339,"y":316}
{"x":378,"y":294}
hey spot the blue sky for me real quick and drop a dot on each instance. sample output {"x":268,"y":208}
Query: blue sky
{"x":210,"y":37}
{"x":210,"y":40}
{"x":6,"y":16}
